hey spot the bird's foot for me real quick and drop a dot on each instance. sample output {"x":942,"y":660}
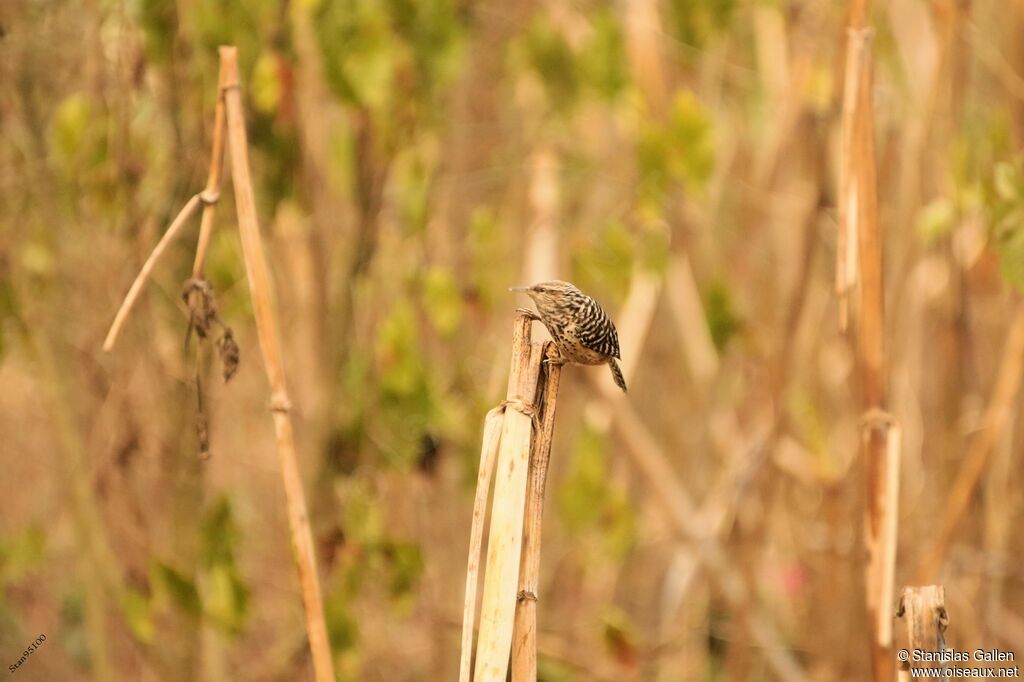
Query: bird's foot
{"x":529,"y":313}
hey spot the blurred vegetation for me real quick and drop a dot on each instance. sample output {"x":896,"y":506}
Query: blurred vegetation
{"x":412,"y":160}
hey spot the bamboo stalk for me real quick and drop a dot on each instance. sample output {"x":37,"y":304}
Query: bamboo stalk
{"x":524,"y":644}
{"x":973,"y":465}
{"x":266,"y":327}
{"x":859,"y":253}
{"x":857,"y":63}
{"x":488,"y":457}
{"x":924,"y":610}
{"x":504,"y":545}
{"x":879,"y":427}
{"x":871,"y":323}
{"x":213,"y":179}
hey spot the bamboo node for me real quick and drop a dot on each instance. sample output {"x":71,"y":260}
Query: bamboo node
{"x":520,"y":406}
{"x":282,"y":405}
{"x":209,"y":196}
{"x":864,"y":33}
{"x":523,"y":408}
{"x":876,"y":418}
{"x":526,"y":595}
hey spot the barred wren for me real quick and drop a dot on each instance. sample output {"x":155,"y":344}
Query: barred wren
{"x":579,"y":326}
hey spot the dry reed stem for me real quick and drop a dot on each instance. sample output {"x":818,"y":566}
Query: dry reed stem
{"x":654,"y":464}
{"x":488,"y":457}
{"x":924,"y":610}
{"x":524,"y":643}
{"x":851,"y":208}
{"x":859,"y":254}
{"x":504,"y":543}
{"x":992,"y":59}
{"x":642,"y":20}
{"x":691,"y":323}
{"x":266,"y":327}
{"x":881,"y":543}
{"x":541,"y":241}
{"x":147,"y":268}
{"x":633,"y":320}
{"x":213,"y":179}
{"x":871,"y":322}
{"x":993,"y":422}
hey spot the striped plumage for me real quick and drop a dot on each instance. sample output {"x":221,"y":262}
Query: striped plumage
{"x":578,"y":324}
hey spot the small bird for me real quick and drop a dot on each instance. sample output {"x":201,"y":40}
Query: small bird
{"x":579,"y":326}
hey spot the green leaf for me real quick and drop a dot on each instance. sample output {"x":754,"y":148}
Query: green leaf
{"x":586,"y":482}
{"x":69,"y":126}
{"x":1010,"y":248}
{"x":694,"y":23}
{"x":485,"y":245}
{"x":159,"y":24}
{"x":603,"y":61}
{"x":442,"y":300}
{"x":181,"y":590}
{"x":363,"y":520}
{"x":138,"y":614}
{"x":720,"y":313}
{"x":590,"y":505}
{"x":342,"y":627}
{"x":73,"y":638}
{"x":552,"y":670}
{"x":691,"y":141}
{"x":607,"y":263}
{"x":411,"y":179}
{"x":358,"y":51}
{"x":1007,"y":182}
{"x":20,"y":554}
{"x":620,"y":636}
{"x":226,"y":598}
{"x":37,"y":258}
{"x":219,"y":534}
{"x":549,"y":55}
{"x":1004,"y":192}
{"x":266,"y":82}
{"x":682,"y":150}
{"x":407,"y":566}
{"x":935,"y":220}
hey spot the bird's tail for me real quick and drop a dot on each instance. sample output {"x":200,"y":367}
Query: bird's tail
{"x":620,"y":380}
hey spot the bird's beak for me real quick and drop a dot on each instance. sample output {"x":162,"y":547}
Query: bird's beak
{"x":520,"y":289}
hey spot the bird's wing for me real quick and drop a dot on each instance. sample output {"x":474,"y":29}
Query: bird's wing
{"x":599,"y":333}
